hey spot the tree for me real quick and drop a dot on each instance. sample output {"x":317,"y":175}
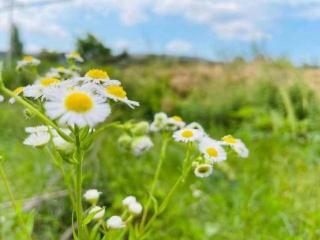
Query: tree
{"x":93,"y":50}
{"x":16,"y":46}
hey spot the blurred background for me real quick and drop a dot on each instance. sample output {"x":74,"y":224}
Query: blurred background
{"x":245,"y":67}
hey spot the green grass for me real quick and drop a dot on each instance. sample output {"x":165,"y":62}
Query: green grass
{"x":274,"y":194}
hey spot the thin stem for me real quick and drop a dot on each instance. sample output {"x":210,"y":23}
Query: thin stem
{"x":185,"y":171}
{"x":155,"y":180}
{"x":78,"y":187}
{"x":13,"y":203}
{"x":36,"y":112}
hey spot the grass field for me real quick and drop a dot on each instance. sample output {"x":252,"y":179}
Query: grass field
{"x":271,"y":105}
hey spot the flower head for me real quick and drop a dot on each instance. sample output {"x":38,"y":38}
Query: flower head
{"x":128,"y":200}
{"x":140,"y":145}
{"x":92,"y":196}
{"x":212,"y":150}
{"x":27,"y":61}
{"x":175,"y":122}
{"x":97,"y":75}
{"x":237,"y":145}
{"x":76,"y":106}
{"x":37,"y":139}
{"x":115,"y":222}
{"x":203,"y":170}
{"x":159,"y":122}
{"x":98,"y":212}
{"x":75,"y":56}
{"x":117,"y":93}
{"x":187,"y":135}
{"x":135,"y":208}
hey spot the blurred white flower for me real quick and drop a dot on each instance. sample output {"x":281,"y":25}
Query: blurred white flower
{"x":175,"y":122}
{"x":212,"y":150}
{"x":92,"y":196}
{"x":140,"y":145}
{"x":98,"y":212}
{"x":187,"y":135}
{"x":75,"y":56}
{"x":27,"y":61}
{"x":1,"y":98}
{"x":115,"y":222}
{"x":159,"y":122}
{"x":203,"y":170}
{"x":128,"y":200}
{"x":237,"y":145}
{"x":135,"y":208}
{"x":37,"y":139}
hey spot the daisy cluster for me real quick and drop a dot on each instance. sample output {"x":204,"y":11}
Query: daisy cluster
{"x":71,"y":99}
{"x":136,"y":139}
{"x":131,"y":209}
{"x":211,"y":150}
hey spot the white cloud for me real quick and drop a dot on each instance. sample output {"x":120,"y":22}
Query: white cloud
{"x":178,"y":47}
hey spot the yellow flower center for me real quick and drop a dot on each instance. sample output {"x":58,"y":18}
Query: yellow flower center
{"x":27,"y":58}
{"x":212,"y":152}
{"x":187,"y":134}
{"x":48,"y":81}
{"x":229,"y":139}
{"x":74,"y":54}
{"x":176,"y":118}
{"x":18,"y":90}
{"x":116,"y":91}
{"x":97,"y":74}
{"x":79,"y":102}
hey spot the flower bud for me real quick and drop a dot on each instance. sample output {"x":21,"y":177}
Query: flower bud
{"x":141,"y":128}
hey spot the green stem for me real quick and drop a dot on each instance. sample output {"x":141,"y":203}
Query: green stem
{"x":78,"y":187}
{"x":185,"y":171}
{"x":155,"y":180}
{"x":36,"y":112}
{"x":13,"y":203}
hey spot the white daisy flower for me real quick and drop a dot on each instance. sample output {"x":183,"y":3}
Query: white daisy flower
{"x":98,"y":212}
{"x":97,"y":75}
{"x":175,"y":122}
{"x":75,"y":56}
{"x":92,"y":196}
{"x":16,"y":92}
{"x":212,"y":150}
{"x":237,"y":145}
{"x":117,"y":93}
{"x":28,"y":61}
{"x":115,"y":222}
{"x":128,"y":200}
{"x":187,"y":135}
{"x":159,"y":122}
{"x":135,"y":208}
{"x":140,"y":145}
{"x":37,"y":139}
{"x":203,"y":170}
{"x":37,"y":90}
{"x":37,"y":129}
{"x":77,"y":106}
{"x":197,"y":126}
{"x":62,"y":72}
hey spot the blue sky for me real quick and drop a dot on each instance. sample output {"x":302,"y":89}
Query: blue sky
{"x":212,"y":29}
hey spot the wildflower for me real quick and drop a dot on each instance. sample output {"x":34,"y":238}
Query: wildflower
{"x":187,"y":135}
{"x":140,"y":145}
{"x":129,"y":200}
{"x":212,"y":150}
{"x":76,"y":106}
{"x":115,"y":222}
{"x":159,"y":122}
{"x":28,"y":61}
{"x":61,"y":72}
{"x":1,"y":98}
{"x":98,"y":212}
{"x":37,"y":139}
{"x":203,"y":170}
{"x":237,"y":145}
{"x":16,"y":92}
{"x":97,"y":75}
{"x":135,"y":208}
{"x":175,"y":122}
{"x":62,"y":145}
{"x":37,"y":90}
{"x":37,"y":129}
{"x":124,"y":141}
{"x":92,"y":196}
{"x":75,"y":56}
{"x":117,"y":93}
{"x":197,"y":126}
